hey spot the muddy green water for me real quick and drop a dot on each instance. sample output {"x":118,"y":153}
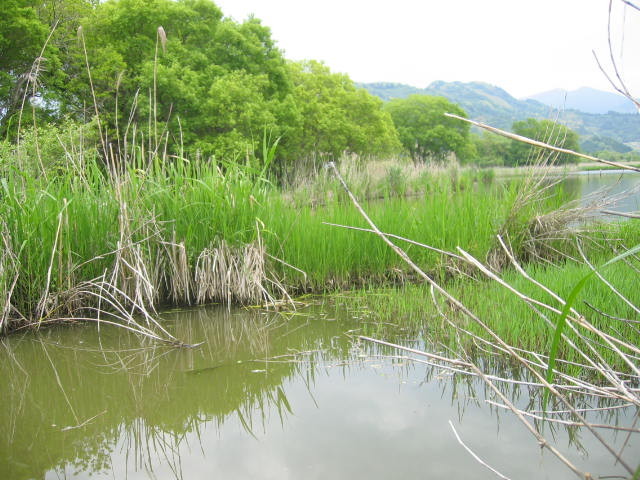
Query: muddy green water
{"x":267,"y":396}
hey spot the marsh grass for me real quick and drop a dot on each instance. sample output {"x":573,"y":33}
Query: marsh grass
{"x":575,"y":354}
{"x":509,"y":316}
{"x":165,"y":230}
{"x":130,"y":229}
{"x":121,"y":219}
{"x":452,"y":208}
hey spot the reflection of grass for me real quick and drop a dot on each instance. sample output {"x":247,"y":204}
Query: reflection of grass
{"x":508,"y":316}
{"x":149,"y":400}
{"x":155,"y":410}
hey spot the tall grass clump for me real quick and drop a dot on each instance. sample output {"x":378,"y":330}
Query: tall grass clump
{"x":157,"y":229}
{"x":140,"y":229}
{"x":449,"y":208}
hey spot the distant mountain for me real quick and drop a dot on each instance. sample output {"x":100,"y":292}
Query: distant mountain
{"x":585,"y":99}
{"x":494,"y":106}
{"x":482,"y":101}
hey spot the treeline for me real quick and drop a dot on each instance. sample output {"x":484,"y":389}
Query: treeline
{"x":181,"y":77}
{"x":494,"y":150}
{"x":198,"y":83}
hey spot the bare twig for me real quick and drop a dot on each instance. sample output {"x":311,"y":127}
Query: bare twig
{"x":632,"y":5}
{"x":620,"y":87}
{"x":397,"y":237}
{"x":620,"y":214}
{"x":569,"y":423}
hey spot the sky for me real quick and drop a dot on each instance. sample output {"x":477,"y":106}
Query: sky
{"x":523,"y":46}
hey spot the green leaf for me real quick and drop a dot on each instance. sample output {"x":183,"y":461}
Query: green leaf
{"x":562,"y":320}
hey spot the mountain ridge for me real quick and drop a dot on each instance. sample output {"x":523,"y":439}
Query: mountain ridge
{"x":585,"y":99}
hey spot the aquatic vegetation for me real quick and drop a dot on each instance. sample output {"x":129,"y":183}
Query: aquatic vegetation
{"x":165,"y":230}
{"x":599,"y":356}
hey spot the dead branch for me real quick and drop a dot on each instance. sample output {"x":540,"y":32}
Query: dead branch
{"x":540,"y":144}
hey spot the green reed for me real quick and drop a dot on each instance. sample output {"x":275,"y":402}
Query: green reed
{"x":76,"y":223}
{"x":511,"y":318}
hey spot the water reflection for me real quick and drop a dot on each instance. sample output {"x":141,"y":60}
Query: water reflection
{"x":266,"y":396}
{"x":621,"y":188}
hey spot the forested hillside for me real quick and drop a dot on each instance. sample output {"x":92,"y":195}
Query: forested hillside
{"x":493,"y":105}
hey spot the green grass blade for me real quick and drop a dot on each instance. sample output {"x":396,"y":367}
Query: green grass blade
{"x":562,"y":320}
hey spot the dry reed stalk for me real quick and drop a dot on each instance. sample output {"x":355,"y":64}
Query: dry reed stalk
{"x":508,"y":349}
{"x":32,"y":79}
{"x":103,"y":138}
{"x":596,"y":366}
{"x":176,"y":272}
{"x":606,"y":372}
{"x":569,"y":423}
{"x":476,"y":457}
{"x":9,"y":274}
{"x":621,"y":214}
{"x":42,"y":309}
{"x":107,"y":304}
{"x":229,"y":274}
{"x":397,"y":237}
{"x":547,"y":146}
{"x":537,"y":238}
{"x":619,"y":84}
{"x":210,"y":265}
{"x":131,"y":270}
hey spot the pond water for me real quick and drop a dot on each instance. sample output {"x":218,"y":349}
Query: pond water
{"x":622,"y":187}
{"x":267,"y":396}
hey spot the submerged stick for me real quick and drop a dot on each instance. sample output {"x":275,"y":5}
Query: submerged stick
{"x":88,"y":420}
{"x":476,"y":457}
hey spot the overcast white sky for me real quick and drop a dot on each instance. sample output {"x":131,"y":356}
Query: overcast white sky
{"x":525,"y":47}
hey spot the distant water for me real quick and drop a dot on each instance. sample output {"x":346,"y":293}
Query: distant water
{"x":618,"y":189}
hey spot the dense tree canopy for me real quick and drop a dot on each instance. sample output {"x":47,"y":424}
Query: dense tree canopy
{"x":425,"y":131}
{"x":184,"y":76}
{"x":183,"y":64}
{"x":491,"y":149}
{"x":546,"y":131}
{"x":335,"y":116}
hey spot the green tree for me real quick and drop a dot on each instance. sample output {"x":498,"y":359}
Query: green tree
{"x":178,"y":66}
{"x":425,"y":132}
{"x":28,"y":70}
{"x":546,"y":131}
{"x":179,"y":74}
{"x":492,"y":149}
{"x":237,"y":111}
{"x":334,"y":116}
{"x":22,"y":37}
